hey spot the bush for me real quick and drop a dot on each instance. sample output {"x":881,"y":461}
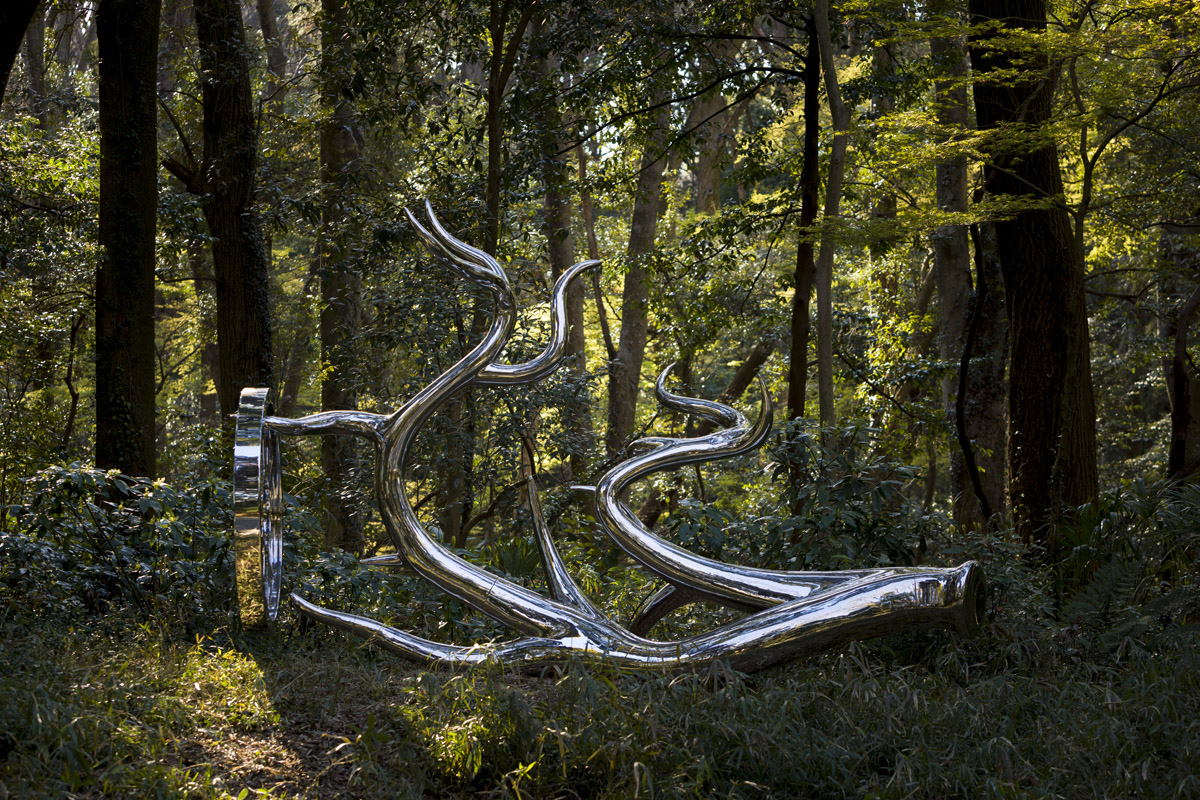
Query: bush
{"x":836,"y":503}
{"x":86,"y":539}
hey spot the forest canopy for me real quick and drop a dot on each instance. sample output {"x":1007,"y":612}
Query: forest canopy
{"x":972,"y":226}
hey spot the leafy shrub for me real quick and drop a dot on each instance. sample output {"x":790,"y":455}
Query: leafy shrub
{"x":85,"y":539}
{"x":1132,"y":570}
{"x":836,"y":502}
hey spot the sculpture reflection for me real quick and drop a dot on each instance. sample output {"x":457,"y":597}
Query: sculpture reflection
{"x":793,"y":612}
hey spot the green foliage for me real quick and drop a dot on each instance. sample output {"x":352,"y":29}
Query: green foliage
{"x":1132,"y":572}
{"x":1087,"y":674}
{"x":834,"y":501}
{"x":85,"y":540}
{"x":132,"y":709}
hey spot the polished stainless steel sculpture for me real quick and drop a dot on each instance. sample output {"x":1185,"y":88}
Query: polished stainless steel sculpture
{"x":791,"y":613}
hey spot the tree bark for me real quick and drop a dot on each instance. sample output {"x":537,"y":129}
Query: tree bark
{"x":15,"y":16}
{"x":1051,"y":408}
{"x":626,"y":369}
{"x":458,"y":496}
{"x":1183,"y":384}
{"x":833,"y":195}
{"x":709,"y":152}
{"x":35,"y":63}
{"x":561,"y":250}
{"x":268,"y":23}
{"x":340,"y":288}
{"x":500,"y":67}
{"x":227,"y":184}
{"x":952,"y":264}
{"x":128,"y":37}
{"x":984,"y":392}
{"x":806,"y":268}
{"x":65,"y":17}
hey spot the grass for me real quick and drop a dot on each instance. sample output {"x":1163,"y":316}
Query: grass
{"x":119,"y":709}
{"x":1085,"y":683}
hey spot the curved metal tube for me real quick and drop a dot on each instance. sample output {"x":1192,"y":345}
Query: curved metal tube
{"x":860,"y":609}
{"x":548,"y":361}
{"x":803,"y":611}
{"x":751,"y":587}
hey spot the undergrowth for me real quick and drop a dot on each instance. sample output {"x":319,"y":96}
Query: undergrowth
{"x":125,"y":677}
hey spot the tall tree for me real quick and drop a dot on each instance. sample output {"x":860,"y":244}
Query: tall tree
{"x":340,"y":285}
{"x":14,"y":20}
{"x":508,"y":21}
{"x":1051,"y":408}
{"x":128,"y":38}
{"x":625,"y":371}
{"x":833,"y":195}
{"x":982,"y":469}
{"x":561,"y":248}
{"x":268,"y":23}
{"x":806,"y":266}
{"x":35,"y":64}
{"x":225,"y":182}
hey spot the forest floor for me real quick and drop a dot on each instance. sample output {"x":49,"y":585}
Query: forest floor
{"x":121,"y":708}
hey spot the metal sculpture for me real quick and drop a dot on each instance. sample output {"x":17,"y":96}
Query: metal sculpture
{"x":791,"y":613}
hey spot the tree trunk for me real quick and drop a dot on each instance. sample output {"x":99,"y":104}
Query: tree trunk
{"x":500,"y":67}
{"x":227,"y":184}
{"x":268,"y":23}
{"x":35,"y":63}
{"x":561,"y":247}
{"x":206,"y":324}
{"x":833,"y":195}
{"x":806,"y":268}
{"x":66,"y":16}
{"x":952,"y":262}
{"x":128,"y":36}
{"x":15,"y":16}
{"x":1183,"y":384}
{"x":984,"y":391}
{"x":626,"y":369}
{"x":339,"y":277}
{"x":458,"y":496}
{"x":709,"y":152}
{"x":1051,"y":408}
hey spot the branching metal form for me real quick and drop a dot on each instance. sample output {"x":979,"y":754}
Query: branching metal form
{"x":791,"y":613}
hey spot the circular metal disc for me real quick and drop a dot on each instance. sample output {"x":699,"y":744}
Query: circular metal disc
{"x":257,"y":512}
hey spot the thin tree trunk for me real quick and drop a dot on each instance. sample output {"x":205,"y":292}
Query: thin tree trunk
{"x":65,"y":18}
{"x":626,"y":369}
{"x":833,"y":195}
{"x":125,"y":364}
{"x":806,"y":268}
{"x":589,"y":228}
{"x":459,"y":496}
{"x":206,"y":323}
{"x":85,"y":46}
{"x":268,"y":23}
